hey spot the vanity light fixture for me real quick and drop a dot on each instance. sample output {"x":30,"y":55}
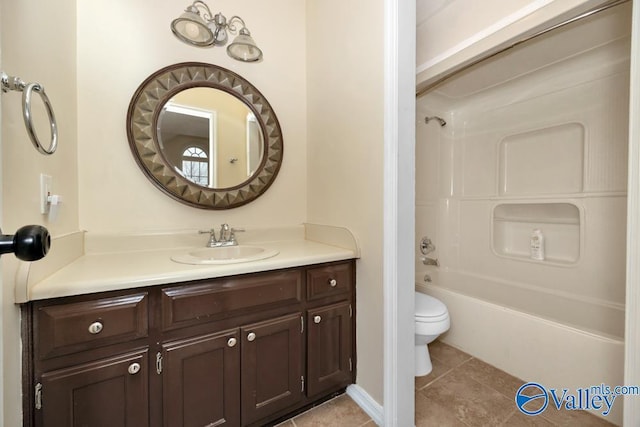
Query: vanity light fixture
{"x":197,"y":26}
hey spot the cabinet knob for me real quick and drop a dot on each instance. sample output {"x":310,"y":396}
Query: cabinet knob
{"x":251,"y":336}
{"x":134,"y":368}
{"x":95,"y":328}
{"x":232,"y":342}
{"x":333,"y":282}
{"x":317,"y":319}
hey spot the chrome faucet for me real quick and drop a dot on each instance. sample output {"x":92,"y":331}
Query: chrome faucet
{"x":212,"y":243}
{"x":226,"y":237}
{"x":224,"y":231}
{"x":426,"y":247}
{"x":430,"y":261}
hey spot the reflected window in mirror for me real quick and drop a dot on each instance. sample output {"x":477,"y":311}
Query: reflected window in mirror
{"x":195,"y":166}
{"x":182,"y":127}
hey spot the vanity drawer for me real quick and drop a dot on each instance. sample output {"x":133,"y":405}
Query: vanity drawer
{"x":71,"y":327}
{"x":188,"y":305}
{"x":329,"y":280}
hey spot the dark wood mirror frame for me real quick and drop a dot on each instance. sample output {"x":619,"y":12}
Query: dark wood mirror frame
{"x":142,"y":119}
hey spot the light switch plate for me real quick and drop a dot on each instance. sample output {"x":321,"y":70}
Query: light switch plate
{"x":46,"y":182}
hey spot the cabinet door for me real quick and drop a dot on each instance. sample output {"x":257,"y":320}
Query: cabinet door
{"x":271,"y":366}
{"x":201,"y":381}
{"x":106,"y":393}
{"x":329,"y":348}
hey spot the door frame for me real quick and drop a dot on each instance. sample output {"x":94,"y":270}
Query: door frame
{"x":632,"y":326}
{"x":2,"y":302}
{"x":399,"y":211}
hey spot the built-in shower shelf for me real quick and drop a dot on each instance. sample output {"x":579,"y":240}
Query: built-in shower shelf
{"x":560,"y":223}
{"x":540,"y":221}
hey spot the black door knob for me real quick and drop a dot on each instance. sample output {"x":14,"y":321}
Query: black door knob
{"x":30,"y":243}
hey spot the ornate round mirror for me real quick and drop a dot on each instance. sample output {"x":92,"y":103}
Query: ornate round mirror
{"x":204,"y":135}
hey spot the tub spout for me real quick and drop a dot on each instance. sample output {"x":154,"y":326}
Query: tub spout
{"x":430,"y":261}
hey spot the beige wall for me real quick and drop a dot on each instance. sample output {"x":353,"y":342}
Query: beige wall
{"x":114,"y":193}
{"x":345,"y":152}
{"x":36,"y":47}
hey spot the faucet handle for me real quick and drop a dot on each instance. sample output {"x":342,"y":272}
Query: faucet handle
{"x":212,"y":236}
{"x":232,"y":236}
{"x":426,"y":246}
{"x":211,"y":232}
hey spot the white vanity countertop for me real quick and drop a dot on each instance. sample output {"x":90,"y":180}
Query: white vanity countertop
{"x":114,"y":270}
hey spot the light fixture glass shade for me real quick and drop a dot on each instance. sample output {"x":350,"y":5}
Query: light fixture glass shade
{"x":243,"y":48}
{"x":191,"y":29}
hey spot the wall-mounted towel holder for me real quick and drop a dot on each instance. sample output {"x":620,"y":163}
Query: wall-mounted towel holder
{"x":15,"y":83}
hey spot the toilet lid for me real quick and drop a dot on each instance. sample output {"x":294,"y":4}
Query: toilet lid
{"x":427,"y":306}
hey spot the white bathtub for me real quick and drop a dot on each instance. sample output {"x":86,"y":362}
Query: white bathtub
{"x":549,"y":338}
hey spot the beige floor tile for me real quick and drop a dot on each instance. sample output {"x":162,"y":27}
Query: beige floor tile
{"x":439,"y":369}
{"x":449,"y":356}
{"x":471,"y":402}
{"x":338,"y":412}
{"x":500,"y":381}
{"x":565,"y":418}
{"x":430,"y":413}
{"x":473,"y":393}
{"x":518,"y":419}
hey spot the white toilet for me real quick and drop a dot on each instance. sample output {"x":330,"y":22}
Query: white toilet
{"x":432,"y":319}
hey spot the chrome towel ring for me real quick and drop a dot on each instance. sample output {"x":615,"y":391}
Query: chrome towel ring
{"x":27,"y":89}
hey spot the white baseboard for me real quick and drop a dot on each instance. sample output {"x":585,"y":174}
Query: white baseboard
{"x":367,"y":403}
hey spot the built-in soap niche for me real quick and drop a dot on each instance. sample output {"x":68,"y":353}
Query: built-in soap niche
{"x":560,"y":224}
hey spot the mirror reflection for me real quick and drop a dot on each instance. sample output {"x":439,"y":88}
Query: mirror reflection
{"x":192,"y":130}
{"x":210,"y":137}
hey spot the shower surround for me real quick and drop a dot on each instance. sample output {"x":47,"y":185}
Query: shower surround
{"x":535,"y":138}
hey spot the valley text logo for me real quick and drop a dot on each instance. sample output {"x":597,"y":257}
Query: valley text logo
{"x":533,"y":398}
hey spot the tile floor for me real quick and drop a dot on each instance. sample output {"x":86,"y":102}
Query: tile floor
{"x":460,"y":391}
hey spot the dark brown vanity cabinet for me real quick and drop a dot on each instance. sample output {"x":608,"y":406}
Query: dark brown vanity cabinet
{"x":102,"y":393}
{"x":78,"y":387}
{"x":235,"y":351}
{"x":201,"y":380}
{"x":329,"y":359}
{"x":257,"y":368}
{"x":272,"y":375}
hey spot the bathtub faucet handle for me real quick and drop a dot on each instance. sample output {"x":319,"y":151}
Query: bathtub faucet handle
{"x":426,"y":246}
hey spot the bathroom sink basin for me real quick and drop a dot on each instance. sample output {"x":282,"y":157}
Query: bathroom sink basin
{"x":224,"y":255}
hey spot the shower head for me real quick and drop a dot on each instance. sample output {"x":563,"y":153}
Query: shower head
{"x":439,"y":119}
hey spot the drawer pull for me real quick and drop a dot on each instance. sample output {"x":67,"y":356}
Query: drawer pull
{"x":333,"y":283}
{"x":95,"y":328}
{"x":134,"y":368}
{"x":317,"y":319}
{"x":251,"y":336}
{"x":232,"y":342}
